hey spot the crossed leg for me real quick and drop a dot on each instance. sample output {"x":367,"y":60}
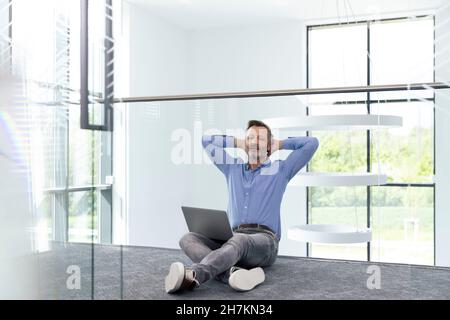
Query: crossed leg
{"x":196,"y":246}
{"x":216,"y":260}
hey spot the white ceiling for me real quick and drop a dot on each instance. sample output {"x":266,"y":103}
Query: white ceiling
{"x":197,"y":14}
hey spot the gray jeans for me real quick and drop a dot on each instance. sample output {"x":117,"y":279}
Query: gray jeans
{"x":247,"y":248}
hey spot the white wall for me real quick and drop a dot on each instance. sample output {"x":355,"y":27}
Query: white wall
{"x":263,"y":57}
{"x":153,"y":187}
{"x":442,"y":221}
{"x":165,"y":59}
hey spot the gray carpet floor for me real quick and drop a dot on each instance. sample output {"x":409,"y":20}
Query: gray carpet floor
{"x":112,"y":272}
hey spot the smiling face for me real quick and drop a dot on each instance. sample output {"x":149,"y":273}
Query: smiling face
{"x":257,"y":144}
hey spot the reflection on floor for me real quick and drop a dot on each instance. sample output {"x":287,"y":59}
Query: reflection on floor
{"x":138,"y":273}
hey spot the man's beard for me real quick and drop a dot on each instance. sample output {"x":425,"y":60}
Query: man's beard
{"x":256,"y":156}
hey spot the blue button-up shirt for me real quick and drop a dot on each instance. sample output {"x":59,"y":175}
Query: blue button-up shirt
{"x":254,"y":196}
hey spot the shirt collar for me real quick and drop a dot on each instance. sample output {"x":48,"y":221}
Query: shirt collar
{"x":266,"y":163}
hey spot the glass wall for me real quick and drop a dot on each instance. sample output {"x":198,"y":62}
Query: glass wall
{"x":67,"y":167}
{"x":381,"y":52}
{"x":97,"y":231}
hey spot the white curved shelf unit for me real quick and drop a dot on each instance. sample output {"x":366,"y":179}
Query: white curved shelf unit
{"x":318,"y":179}
{"x":336,"y":122}
{"x":329,"y":233}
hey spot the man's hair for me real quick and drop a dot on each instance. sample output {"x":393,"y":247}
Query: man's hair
{"x":258,"y":123}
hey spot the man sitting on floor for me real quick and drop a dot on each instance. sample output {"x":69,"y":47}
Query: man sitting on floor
{"x":255,"y":192}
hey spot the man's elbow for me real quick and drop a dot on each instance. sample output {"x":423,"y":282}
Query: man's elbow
{"x":314,"y":143}
{"x":206,"y":140}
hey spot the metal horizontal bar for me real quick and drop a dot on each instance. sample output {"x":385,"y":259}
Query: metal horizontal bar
{"x":356,"y":22}
{"x":78,"y":189}
{"x":354,"y":102}
{"x":288,"y":92}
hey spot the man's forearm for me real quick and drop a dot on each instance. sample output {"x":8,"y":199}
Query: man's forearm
{"x":221,"y":141}
{"x":303,"y":149}
{"x":224,"y":141}
{"x":276,"y":145}
{"x":294,"y":143}
{"x":239,"y":143}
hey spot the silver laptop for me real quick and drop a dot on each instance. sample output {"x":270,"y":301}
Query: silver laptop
{"x":213,"y":224}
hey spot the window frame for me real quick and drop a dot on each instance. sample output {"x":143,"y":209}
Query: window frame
{"x":368,"y":103}
{"x":60,"y":195}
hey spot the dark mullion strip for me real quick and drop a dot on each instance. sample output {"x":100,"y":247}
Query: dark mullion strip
{"x":382,"y":101}
{"x":368,"y":204}
{"x":412,"y":185}
{"x":84,"y":68}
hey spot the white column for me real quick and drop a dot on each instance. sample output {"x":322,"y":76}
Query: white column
{"x":442,"y":138}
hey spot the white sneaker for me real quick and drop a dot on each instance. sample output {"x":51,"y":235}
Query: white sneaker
{"x":246,"y":280}
{"x":179,"y":278}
